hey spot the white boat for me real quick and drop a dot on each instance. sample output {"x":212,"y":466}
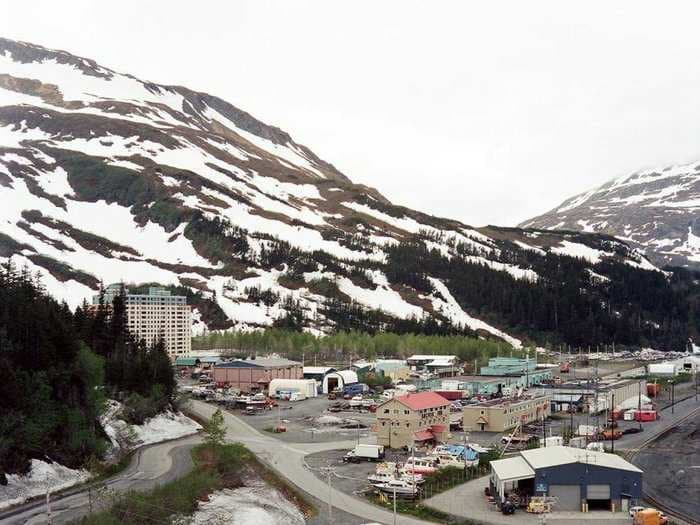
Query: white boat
{"x":356,"y":401}
{"x":415,"y":465}
{"x":400,"y":487}
{"x":379,"y":478}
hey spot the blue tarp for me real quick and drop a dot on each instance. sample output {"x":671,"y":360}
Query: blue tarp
{"x":459,"y":451}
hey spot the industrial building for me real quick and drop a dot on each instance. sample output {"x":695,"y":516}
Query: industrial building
{"x":594,"y":397}
{"x":154,"y":316}
{"x":413,"y":419}
{"x":338,"y":380}
{"x":574,"y":479}
{"x":295,"y":389}
{"x":497,"y":415}
{"x":440,"y":365}
{"x":254,"y":375}
{"x":527,"y":372}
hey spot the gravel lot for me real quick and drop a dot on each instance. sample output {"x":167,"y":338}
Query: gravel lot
{"x":299,"y":417}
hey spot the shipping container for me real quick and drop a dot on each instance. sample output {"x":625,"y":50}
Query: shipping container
{"x":653,"y":389}
{"x":645,"y":415}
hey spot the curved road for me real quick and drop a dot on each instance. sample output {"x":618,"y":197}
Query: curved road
{"x":150,"y":466}
{"x":288,"y":460}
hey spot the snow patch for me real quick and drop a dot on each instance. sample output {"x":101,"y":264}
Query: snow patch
{"x":42,"y":476}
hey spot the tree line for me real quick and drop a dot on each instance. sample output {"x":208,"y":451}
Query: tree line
{"x":58,"y":368}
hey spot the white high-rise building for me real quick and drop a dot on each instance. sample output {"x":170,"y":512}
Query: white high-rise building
{"x":155,"y":315}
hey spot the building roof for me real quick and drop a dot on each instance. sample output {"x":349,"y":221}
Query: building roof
{"x":318,"y":369}
{"x":422,"y":400}
{"x":546,"y":457}
{"x":512,"y":469}
{"x":264,"y":362}
{"x":348,"y":376}
{"x":423,"y":357}
{"x":423,"y":435}
{"x":186,"y":361}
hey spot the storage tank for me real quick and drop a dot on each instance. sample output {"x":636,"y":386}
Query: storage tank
{"x":305,"y":387}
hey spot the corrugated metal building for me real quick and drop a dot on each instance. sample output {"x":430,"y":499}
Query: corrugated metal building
{"x":252,"y":375}
{"x":575,"y":479}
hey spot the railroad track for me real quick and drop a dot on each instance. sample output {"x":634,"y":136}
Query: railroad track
{"x":669,"y":511}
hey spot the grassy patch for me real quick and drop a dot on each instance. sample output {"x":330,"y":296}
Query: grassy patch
{"x":216,"y":468}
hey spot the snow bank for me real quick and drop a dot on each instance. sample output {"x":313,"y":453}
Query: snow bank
{"x":169,"y":425}
{"x":165,"y":426}
{"x":42,"y":475}
{"x":247,"y":506}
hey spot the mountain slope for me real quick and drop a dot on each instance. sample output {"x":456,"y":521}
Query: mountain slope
{"x":104,"y":177}
{"x":655,"y":209}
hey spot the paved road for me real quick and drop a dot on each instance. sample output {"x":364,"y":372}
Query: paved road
{"x":150,"y":466}
{"x":288,"y":460}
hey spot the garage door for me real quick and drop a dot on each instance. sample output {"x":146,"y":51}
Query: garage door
{"x":598,"y":492}
{"x":568,"y":496}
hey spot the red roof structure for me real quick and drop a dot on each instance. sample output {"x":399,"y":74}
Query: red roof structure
{"x":423,"y":435}
{"x":423,"y":400}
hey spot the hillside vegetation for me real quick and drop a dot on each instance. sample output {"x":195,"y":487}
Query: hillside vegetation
{"x":58,"y":368}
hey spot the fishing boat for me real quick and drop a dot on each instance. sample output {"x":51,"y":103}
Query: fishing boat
{"x":415,"y":465}
{"x":356,"y":401}
{"x":400,"y":487}
{"x":379,"y":478}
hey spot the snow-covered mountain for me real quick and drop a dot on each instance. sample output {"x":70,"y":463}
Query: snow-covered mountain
{"x":107,"y":178}
{"x":657,"y":210}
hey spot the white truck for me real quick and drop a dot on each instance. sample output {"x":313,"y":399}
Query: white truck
{"x":364,"y":453}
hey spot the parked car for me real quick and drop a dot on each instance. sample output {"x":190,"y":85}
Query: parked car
{"x":633,"y":430}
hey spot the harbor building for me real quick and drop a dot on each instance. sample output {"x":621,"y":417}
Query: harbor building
{"x":498,"y":415}
{"x":154,"y":315}
{"x":412,"y":420}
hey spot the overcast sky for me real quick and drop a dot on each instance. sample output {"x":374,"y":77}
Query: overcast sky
{"x":488,"y":112}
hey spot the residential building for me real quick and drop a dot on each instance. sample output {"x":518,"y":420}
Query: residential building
{"x":414,"y":419}
{"x":498,"y":415}
{"x":575,"y":479}
{"x":254,"y":375}
{"x":155,"y":315}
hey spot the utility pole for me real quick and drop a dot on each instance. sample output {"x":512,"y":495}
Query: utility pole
{"x":49,"y":518}
{"x":639,"y":405}
{"x":673,"y":396}
{"x":329,"y":472}
{"x":394,"y":505}
{"x":612,"y":429}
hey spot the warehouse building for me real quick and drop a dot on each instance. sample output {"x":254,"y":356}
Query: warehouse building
{"x":574,"y":479}
{"x":254,"y":375}
{"x":592,"y":397}
{"x":497,"y":415}
{"x":338,"y":380}
{"x":521,"y":372}
{"x":413,"y":419}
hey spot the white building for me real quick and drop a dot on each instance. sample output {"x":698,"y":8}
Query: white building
{"x":155,"y":315}
{"x":338,"y":380}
